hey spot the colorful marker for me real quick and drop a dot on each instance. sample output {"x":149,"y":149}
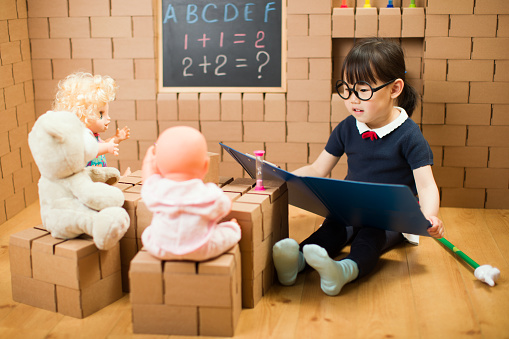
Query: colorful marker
{"x":390,"y":5}
{"x":367,"y":4}
{"x":412,"y":4}
{"x":343,"y":4}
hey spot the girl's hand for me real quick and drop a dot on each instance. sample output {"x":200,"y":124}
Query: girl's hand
{"x":437,"y":228}
{"x":122,"y":134}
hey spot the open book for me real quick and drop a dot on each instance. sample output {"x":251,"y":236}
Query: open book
{"x":389,"y":207}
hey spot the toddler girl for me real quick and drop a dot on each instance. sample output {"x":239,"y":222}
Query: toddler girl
{"x":383,"y":146}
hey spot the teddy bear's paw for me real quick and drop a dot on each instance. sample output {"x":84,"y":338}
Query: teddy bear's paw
{"x":108,"y":175}
{"x":110,"y":225}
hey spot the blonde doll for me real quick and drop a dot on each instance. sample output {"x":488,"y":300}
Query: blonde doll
{"x":88,"y":97}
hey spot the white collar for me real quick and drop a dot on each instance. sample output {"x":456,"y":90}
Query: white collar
{"x":384,"y":130}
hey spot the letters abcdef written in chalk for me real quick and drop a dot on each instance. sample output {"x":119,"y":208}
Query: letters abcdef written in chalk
{"x":221,"y":44}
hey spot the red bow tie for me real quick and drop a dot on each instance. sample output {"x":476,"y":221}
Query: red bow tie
{"x":369,"y":134}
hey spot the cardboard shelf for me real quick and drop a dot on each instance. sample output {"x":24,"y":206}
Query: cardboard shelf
{"x":384,"y":22}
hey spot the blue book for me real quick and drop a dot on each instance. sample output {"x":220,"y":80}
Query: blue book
{"x":389,"y":207}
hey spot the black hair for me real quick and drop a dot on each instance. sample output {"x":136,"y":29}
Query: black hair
{"x":382,"y":59}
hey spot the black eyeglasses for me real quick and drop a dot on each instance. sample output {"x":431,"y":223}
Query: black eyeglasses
{"x":361,"y":89}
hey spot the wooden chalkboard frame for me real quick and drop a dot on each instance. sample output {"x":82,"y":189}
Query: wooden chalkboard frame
{"x":205,"y":89}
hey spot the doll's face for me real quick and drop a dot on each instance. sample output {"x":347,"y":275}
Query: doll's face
{"x":100,"y":125}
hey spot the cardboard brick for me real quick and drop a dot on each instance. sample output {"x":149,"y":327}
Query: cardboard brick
{"x":297,"y":110}
{"x":146,"y":279}
{"x":131,"y":7}
{"x":448,"y":91}
{"x":143,"y":26}
{"x":449,"y":176}
{"x":255,"y":261}
{"x":319,"y":111}
{"x":499,"y":115}
{"x":306,"y":90}
{"x":145,"y":69}
{"x":231,"y":107}
{"x":264,"y":131}
{"x":412,"y":22}
{"x":309,"y":47}
{"x":366,"y":22}
{"x":491,"y":136}
{"x":487,"y":178}
{"x":436,"y":25}
{"x":389,"y":22}
{"x":53,"y":261}
{"x":83,"y":48}
{"x":503,"y":26}
{"x":275,"y":107}
{"x":473,"y":25}
{"x":320,"y":69}
{"x":167,"y":108}
{"x":490,"y":48}
{"x":249,"y":217}
{"x":84,"y":302}
{"x":69,"y":27}
{"x":343,"y":22}
{"x":470,"y":70}
{"x":501,"y":70}
{"x":433,"y":114}
{"x":499,"y":157}
{"x":488,"y":92}
{"x":165,"y":319}
{"x":137,"y":89}
{"x":252,"y":107}
{"x":279,"y":153}
{"x":188,"y":106}
{"x":20,"y":245}
{"x":210,"y":108}
{"x":450,"y":7}
{"x":136,"y":47}
{"x":463,"y":197}
{"x":308,"y":131}
{"x":497,"y":198}
{"x":320,"y":24}
{"x":224,"y":131}
{"x":143,"y":218}
{"x":252,"y":291}
{"x":33,"y":292}
{"x":47,"y":8}
{"x":445,"y":135}
{"x":447,"y":48}
{"x":491,"y":7}
{"x":88,"y":8}
{"x":298,"y":24}
{"x":213,"y":171}
{"x":466,"y":156}
{"x":307,"y":7}
{"x":468,"y":114}
{"x":110,"y":27}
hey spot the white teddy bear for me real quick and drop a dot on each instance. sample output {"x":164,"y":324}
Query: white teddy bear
{"x":75,"y":199}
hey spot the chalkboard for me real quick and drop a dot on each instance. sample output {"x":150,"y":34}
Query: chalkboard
{"x":221,"y":45}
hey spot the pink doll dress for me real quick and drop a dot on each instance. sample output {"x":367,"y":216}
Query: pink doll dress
{"x":185,"y":220}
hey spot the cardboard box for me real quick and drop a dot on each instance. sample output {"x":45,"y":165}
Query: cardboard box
{"x":366,"y":22}
{"x":71,"y":277}
{"x":413,"y":22}
{"x":343,"y":23}
{"x":263,"y":218}
{"x":186,"y":298}
{"x":213,"y":172}
{"x":389,"y":22}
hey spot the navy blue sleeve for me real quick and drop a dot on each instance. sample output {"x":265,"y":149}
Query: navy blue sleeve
{"x":417,"y":150}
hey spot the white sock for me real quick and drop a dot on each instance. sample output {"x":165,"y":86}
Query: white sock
{"x":288,"y":260}
{"x":333,"y":274}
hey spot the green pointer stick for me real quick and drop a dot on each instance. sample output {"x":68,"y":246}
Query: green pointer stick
{"x":484,"y":273}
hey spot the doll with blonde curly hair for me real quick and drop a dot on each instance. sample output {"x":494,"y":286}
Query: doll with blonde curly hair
{"x":88,"y":96}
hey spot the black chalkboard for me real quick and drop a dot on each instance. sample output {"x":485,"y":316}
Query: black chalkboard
{"x":221,"y":44}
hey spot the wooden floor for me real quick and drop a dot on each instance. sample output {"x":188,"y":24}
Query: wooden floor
{"x":416,"y":292}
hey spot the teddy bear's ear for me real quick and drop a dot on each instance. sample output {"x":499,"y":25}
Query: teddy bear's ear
{"x":56,"y":133}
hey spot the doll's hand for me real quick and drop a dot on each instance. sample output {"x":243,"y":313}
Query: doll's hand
{"x":149,"y":166}
{"x":234,"y":220}
{"x":437,"y":227}
{"x":112,"y":147}
{"x":122,"y":134}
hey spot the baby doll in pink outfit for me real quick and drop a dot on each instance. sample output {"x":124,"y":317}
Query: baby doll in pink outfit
{"x":186,"y":211}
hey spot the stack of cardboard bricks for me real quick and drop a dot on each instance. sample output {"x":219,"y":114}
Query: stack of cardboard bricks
{"x":205,"y":298}
{"x":71,"y":277}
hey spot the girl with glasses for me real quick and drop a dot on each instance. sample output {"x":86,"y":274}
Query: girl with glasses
{"x":382,"y":146}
